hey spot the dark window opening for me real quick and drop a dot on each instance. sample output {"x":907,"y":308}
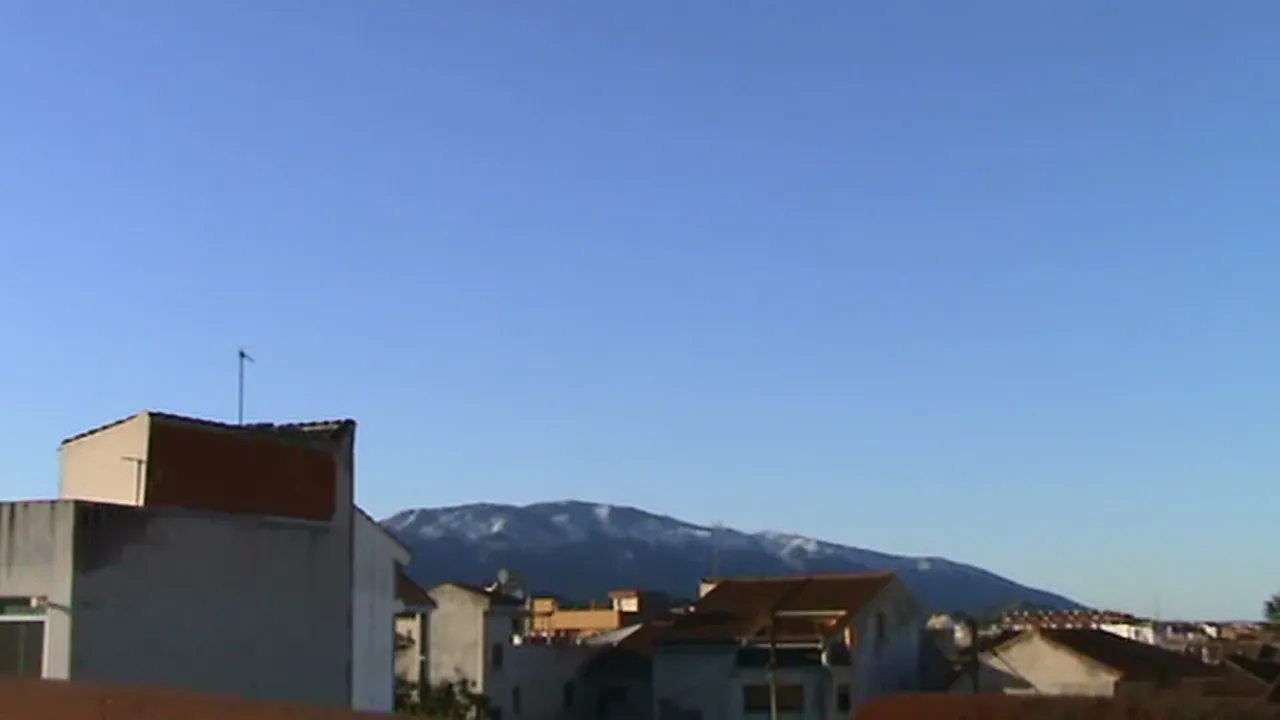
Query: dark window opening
{"x":568,"y":694}
{"x":497,"y":656}
{"x":22,"y":649}
{"x":515,"y":700}
{"x":755,"y":698}
{"x":843,"y":700}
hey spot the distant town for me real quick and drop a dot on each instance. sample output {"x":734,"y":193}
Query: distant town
{"x":230,"y":560}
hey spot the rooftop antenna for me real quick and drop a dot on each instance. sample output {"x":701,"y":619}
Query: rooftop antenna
{"x":243,"y":358}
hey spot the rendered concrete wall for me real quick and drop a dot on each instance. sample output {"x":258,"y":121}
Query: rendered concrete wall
{"x":457,"y":645}
{"x":1032,"y":666}
{"x":376,"y":556}
{"x":36,"y":555}
{"x":96,"y":467}
{"x":538,"y":673}
{"x":187,"y":599}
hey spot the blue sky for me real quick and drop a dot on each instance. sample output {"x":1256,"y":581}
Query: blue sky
{"x":992,"y":281}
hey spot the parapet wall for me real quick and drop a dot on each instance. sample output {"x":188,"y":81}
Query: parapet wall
{"x":62,"y":700}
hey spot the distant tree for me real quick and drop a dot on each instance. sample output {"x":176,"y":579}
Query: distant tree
{"x":1271,"y":609}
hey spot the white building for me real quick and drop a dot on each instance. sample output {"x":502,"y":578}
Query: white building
{"x":475,"y":634}
{"x":196,"y":554}
{"x":377,"y":560}
{"x":838,"y":640}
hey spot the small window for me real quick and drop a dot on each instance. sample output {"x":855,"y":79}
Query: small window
{"x":755,"y":698}
{"x":515,"y":627}
{"x":843,"y":700}
{"x":497,"y":656}
{"x":515,"y":700}
{"x":567,"y":692}
{"x":882,"y":631}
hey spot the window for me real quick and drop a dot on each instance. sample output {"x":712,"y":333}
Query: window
{"x":567,"y":692}
{"x":843,"y":700}
{"x":22,"y":648}
{"x":497,"y":656}
{"x":515,"y":700}
{"x":755,"y":698}
{"x":881,"y":633}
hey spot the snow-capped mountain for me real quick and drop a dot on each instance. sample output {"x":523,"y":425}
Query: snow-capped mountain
{"x":583,"y":550}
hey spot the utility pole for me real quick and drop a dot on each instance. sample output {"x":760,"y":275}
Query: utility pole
{"x":243,"y":358}
{"x":138,"y":465}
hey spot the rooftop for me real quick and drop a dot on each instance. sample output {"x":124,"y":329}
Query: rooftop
{"x":315,"y":426}
{"x":738,"y":608}
{"x":1132,"y":660}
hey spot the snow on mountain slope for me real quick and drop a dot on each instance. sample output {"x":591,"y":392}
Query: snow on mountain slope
{"x":614,"y":546}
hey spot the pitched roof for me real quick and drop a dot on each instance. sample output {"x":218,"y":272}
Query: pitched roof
{"x":1131,"y":659}
{"x":739,"y":607}
{"x":1268,"y":671}
{"x":411,"y":593}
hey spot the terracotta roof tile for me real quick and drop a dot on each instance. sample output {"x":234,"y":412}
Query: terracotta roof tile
{"x":1133,"y":660}
{"x":1268,"y":671}
{"x":739,"y":607}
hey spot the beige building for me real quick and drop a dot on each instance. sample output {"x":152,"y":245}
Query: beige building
{"x":1046,"y":661}
{"x":548,"y":618}
{"x":413,"y":623}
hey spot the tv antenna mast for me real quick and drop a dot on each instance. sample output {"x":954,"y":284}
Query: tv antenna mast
{"x":243,"y":358}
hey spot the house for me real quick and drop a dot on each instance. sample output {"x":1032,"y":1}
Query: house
{"x":1121,"y":624}
{"x":476,"y":634}
{"x":194,"y":554}
{"x":413,"y":621}
{"x":378,"y":560}
{"x":617,"y":682}
{"x":550,"y":617}
{"x":1048,"y":661}
{"x":835,"y":640}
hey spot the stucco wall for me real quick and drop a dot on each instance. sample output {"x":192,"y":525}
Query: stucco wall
{"x":95,"y":468}
{"x":895,"y":666}
{"x":539,"y":672}
{"x":456,"y":636}
{"x":180,"y":598}
{"x":36,"y":555}
{"x":376,"y":556}
{"x":1032,"y":666}
{"x":695,"y":679}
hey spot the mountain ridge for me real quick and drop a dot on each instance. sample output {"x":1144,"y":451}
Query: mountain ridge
{"x":582,"y":550}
